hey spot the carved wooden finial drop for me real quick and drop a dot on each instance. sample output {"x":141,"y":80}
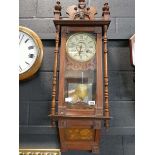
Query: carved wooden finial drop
{"x":57,"y":10}
{"x":106,"y":12}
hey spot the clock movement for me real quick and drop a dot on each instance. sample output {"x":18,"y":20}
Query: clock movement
{"x":83,"y":76}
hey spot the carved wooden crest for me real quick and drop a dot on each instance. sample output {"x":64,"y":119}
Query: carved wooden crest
{"x":81,"y":11}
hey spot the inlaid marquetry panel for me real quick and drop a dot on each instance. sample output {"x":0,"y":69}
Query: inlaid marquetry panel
{"x":39,"y":152}
{"x":79,"y":134}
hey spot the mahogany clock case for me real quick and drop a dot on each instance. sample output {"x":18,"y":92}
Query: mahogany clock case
{"x":79,"y":120}
{"x":80,"y":128}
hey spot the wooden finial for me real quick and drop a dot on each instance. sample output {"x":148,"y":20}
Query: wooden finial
{"x":106,"y":12}
{"x":57,"y":10}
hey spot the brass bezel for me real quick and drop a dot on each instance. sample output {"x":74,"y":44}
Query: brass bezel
{"x":34,"y":68}
{"x":74,"y":35}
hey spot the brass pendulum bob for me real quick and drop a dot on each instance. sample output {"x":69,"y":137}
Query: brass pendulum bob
{"x":81,"y":91}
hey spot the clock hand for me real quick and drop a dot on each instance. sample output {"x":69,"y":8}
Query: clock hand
{"x":88,"y":51}
{"x":21,"y":39}
{"x":80,"y":49}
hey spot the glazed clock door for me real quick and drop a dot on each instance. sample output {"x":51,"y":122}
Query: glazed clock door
{"x":80,"y":82}
{"x":80,"y":70}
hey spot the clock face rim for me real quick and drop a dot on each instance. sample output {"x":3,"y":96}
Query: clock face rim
{"x":78,"y":61}
{"x":37,"y":63}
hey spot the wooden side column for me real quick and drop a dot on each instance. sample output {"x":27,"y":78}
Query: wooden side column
{"x":106,"y":17}
{"x":57,"y":14}
{"x":106,"y":93}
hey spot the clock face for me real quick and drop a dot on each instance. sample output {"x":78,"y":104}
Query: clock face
{"x":28,"y":52}
{"x":81,"y":47}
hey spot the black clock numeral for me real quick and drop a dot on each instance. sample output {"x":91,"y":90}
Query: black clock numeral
{"x":31,"y":47}
{"x":31,"y":55}
{"x":26,"y":40}
{"x":27,"y":62}
{"x":19,"y":35}
{"x":21,"y":39}
{"x":20,"y":68}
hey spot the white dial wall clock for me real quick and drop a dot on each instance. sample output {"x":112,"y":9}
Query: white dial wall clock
{"x":30,"y":53}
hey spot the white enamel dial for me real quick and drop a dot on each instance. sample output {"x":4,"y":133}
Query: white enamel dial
{"x":28,"y":52}
{"x":81,"y":47}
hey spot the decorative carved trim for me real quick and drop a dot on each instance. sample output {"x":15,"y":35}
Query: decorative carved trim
{"x":39,"y":152}
{"x":81,"y":11}
{"x":57,"y":10}
{"x":71,"y":64}
{"x":106,"y":12}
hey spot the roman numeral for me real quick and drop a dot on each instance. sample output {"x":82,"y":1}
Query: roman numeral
{"x":31,"y":55}
{"x":20,"y":68}
{"x":27,"y":63}
{"x":19,"y":35}
{"x":31,"y":47}
{"x":21,"y":39}
{"x":26,"y":40}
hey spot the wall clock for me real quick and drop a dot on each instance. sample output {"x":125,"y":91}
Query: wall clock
{"x":30,"y":53}
{"x":83,"y":76}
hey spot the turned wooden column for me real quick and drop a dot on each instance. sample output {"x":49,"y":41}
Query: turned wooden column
{"x":106,"y":16}
{"x":57,"y":14}
{"x":106,"y":93}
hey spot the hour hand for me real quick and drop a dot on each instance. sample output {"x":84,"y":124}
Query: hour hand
{"x":80,"y":49}
{"x":88,"y":51}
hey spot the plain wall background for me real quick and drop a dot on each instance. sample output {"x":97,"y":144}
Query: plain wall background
{"x":35,"y":94}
